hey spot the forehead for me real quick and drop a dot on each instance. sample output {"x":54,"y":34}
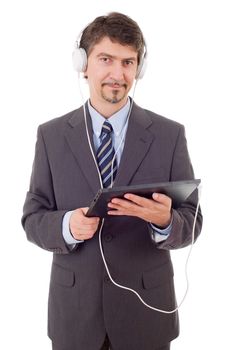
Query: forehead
{"x":107,"y":46}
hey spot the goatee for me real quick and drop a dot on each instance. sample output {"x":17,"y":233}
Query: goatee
{"x":115,"y":98}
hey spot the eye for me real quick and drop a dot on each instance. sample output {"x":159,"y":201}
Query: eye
{"x":128,"y":62}
{"x":105,"y":59}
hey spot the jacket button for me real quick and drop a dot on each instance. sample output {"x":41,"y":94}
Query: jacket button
{"x":108,"y":238}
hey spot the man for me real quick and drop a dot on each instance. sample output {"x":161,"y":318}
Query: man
{"x":86,"y":310}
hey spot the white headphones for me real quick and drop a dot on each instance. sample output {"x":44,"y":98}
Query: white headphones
{"x":79,"y":58}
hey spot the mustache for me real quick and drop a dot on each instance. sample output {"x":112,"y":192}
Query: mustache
{"x":114,"y":83}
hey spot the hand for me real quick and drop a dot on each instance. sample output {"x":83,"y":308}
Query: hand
{"x":82,"y":227}
{"x":156,"y":210}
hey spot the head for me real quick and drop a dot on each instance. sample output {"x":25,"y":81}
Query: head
{"x":114,"y":46}
{"x":118,"y":28}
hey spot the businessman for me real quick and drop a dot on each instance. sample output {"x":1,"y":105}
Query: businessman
{"x":108,"y":142}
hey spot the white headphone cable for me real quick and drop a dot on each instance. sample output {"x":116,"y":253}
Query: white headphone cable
{"x":186,"y":268}
{"x":103,"y":220}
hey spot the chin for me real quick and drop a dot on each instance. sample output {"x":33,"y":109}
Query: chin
{"x":114,"y":99}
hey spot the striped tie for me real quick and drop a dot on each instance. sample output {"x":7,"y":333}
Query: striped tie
{"x":105,"y":154}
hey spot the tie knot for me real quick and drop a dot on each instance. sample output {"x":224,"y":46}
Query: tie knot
{"x":106,"y":128}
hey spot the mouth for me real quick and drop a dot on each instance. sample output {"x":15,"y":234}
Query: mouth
{"x":114,"y":85}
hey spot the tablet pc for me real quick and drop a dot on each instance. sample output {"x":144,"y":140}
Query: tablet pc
{"x":179,"y":191}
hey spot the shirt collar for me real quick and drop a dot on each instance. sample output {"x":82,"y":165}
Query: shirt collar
{"x":117,"y":120}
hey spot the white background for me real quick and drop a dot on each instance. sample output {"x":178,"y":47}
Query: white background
{"x":189,"y":79}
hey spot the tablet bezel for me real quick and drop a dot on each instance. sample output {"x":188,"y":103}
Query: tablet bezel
{"x":179,"y":191}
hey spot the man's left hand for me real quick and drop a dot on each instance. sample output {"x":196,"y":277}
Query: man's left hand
{"x":156,"y":210}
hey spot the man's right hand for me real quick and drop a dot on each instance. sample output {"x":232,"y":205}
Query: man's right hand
{"x":82,"y":227}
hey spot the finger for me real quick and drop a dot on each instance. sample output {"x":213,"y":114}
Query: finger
{"x":86,"y":228}
{"x":125,"y":212}
{"x":84,"y":237}
{"x":88,"y":221}
{"x":115,"y":212}
{"x":141,"y":201}
{"x":120,"y":209}
{"x":162,"y":198}
{"x":83,"y":211}
{"x":126,"y":207}
{"x":123,"y":207}
{"x":118,"y":203}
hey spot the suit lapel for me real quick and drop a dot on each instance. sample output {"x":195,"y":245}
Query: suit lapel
{"x":77,"y":139}
{"x":137,"y":144}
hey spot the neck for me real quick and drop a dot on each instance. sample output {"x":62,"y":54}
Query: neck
{"x":107,"y":109}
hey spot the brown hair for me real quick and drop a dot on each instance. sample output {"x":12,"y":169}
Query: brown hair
{"x":118,"y":27}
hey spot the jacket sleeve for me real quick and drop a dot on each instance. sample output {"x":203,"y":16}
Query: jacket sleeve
{"x":41,"y":220}
{"x":183,"y":217}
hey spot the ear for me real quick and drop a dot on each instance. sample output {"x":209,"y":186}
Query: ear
{"x":85,"y":75}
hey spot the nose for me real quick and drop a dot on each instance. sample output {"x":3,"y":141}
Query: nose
{"x":117,"y":71}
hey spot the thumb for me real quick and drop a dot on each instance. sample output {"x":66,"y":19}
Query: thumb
{"x":84,"y":210}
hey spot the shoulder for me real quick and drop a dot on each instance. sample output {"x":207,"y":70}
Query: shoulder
{"x":59,"y":125}
{"x":62,"y":120}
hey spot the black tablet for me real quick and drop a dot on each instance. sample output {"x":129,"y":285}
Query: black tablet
{"x":179,"y":191}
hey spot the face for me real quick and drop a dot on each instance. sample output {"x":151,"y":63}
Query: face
{"x":111,"y":70}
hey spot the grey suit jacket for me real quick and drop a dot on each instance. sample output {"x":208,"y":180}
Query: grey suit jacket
{"x":83,"y":303}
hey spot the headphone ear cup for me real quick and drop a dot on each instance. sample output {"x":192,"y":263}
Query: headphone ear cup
{"x":141,"y":69}
{"x":79,"y":58}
